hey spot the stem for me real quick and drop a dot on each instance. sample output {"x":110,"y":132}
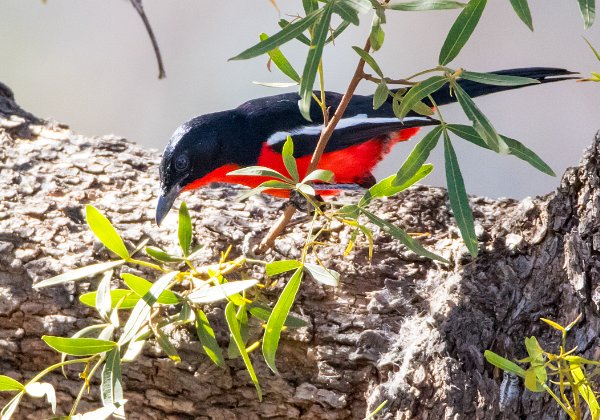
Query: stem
{"x":547,"y":388}
{"x":137,"y":5}
{"x":56,"y":366}
{"x":387,"y":80}
{"x":146,"y":264}
{"x":85,"y":383}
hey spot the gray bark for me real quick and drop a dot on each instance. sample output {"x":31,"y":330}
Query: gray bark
{"x":400,"y":327}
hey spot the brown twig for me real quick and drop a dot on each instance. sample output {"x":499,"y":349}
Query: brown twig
{"x":388,"y":80}
{"x":289,"y":211}
{"x":137,"y":5}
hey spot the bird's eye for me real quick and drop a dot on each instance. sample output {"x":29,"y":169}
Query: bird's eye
{"x":182,"y":162}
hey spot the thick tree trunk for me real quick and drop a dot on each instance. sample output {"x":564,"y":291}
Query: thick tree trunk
{"x":400,"y":327}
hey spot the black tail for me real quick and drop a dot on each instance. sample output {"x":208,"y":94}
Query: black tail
{"x":474,"y":89}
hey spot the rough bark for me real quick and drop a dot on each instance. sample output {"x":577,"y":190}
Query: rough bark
{"x":400,"y":327}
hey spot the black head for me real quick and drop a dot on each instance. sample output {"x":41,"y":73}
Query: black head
{"x":196,"y":148}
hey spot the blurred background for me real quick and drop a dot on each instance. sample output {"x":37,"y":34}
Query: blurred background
{"x":90,"y":64}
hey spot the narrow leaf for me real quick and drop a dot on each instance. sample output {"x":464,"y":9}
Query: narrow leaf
{"x":79,"y":346}
{"x":381,"y":95}
{"x":78,"y":274}
{"x":313,"y":59}
{"x":498,"y":79}
{"x":128,"y":296}
{"x":418,"y":156}
{"x":278,"y":317}
{"x":184,"y":231}
{"x":459,"y":201}
{"x":166,"y":345}
{"x":40,"y":390}
{"x":480,"y":122}
{"x":588,"y":12}
{"x":141,"y":286}
{"x":504,"y":364}
{"x":515,"y":147}
{"x":377,"y":35}
{"x":161,"y":256}
{"x":141,"y":311}
{"x":418,"y":92}
{"x":521,"y":8}
{"x":287,"y":154}
{"x":461,"y":30}
{"x":322,"y":175}
{"x":288,"y":33}
{"x":112,"y":382}
{"x":323,"y":275}
{"x":103,"y":298}
{"x":259,"y":171}
{"x":263,"y":313}
{"x":281,"y":62}
{"x":424,"y":5}
{"x":207,"y":338}
{"x":553,"y":324}
{"x":277,"y":267}
{"x":9,"y":409}
{"x":234,"y":328}
{"x":586,"y":392}
{"x":369,"y":60}
{"x":9,"y":384}
{"x":386,"y":187}
{"x":105,"y":232}
{"x":220,"y":292}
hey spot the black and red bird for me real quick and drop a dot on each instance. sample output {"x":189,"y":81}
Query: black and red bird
{"x":204,"y":149}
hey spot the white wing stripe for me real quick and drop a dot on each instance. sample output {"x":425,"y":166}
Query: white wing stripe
{"x":314,"y":130}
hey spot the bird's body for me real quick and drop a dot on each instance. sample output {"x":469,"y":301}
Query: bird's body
{"x":206,"y":148}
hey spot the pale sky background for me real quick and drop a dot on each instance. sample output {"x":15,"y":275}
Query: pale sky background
{"x":90,"y":64}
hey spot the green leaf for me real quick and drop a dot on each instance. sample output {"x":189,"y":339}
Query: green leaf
{"x":459,"y":201}
{"x":141,"y":286}
{"x":461,"y":30}
{"x":288,"y":33}
{"x":259,"y":171}
{"x":11,"y":406}
{"x":105,"y":232}
{"x":111,"y":388}
{"x":419,"y":92}
{"x":515,"y":147}
{"x":480,"y":122}
{"x":278,"y":317}
{"x":381,"y":95}
{"x":386,"y":187}
{"x":9,"y":384}
{"x":220,"y":292}
{"x":141,"y":311}
{"x":206,"y":335}
{"x":263,"y":313}
{"x":402,"y":236}
{"x":346,"y":12}
{"x":418,"y":156}
{"x":277,"y":267}
{"x":41,"y":390}
{"x":313,"y":59}
{"x":323,"y":275}
{"x":377,"y":35}
{"x":522,"y":10}
{"x":554,"y":325}
{"x":78,"y":274}
{"x":504,"y":364}
{"x":588,"y":12}
{"x":596,"y":53}
{"x":306,"y":189}
{"x":422,"y":109}
{"x":234,"y":328}
{"x":166,"y":345}
{"x":79,"y":346}
{"x":184,"y":231}
{"x":497,"y":79}
{"x":276,"y":84}
{"x":531,"y":381}
{"x":423,"y":5}
{"x":337,"y":32}
{"x":322,"y":175}
{"x":288,"y":158}
{"x":129,"y":298}
{"x":103,"y":298}
{"x":361,"y":6}
{"x":281,"y":62}
{"x":161,"y":256}
{"x":369,"y":60}
{"x":309,"y":6}
{"x":301,"y":37}
{"x":586,"y":392}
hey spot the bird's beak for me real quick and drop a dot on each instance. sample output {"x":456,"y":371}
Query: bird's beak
{"x":165,"y":202}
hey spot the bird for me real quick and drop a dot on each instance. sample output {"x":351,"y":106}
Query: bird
{"x":206,"y":148}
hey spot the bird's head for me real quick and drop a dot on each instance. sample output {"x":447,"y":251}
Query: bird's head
{"x":193,"y":152}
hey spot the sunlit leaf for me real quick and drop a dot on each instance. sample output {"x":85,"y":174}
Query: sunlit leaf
{"x":277,"y":319}
{"x":531,"y":381}
{"x":79,"y":346}
{"x":129,"y":301}
{"x":105,"y":232}
{"x":111,"y":388}
{"x":521,"y":8}
{"x":322,"y":175}
{"x":102,"y":413}
{"x":141,"y":286}
{"x":323,"y":275}
{"x":9,"y":384}
{"x":166,"y":345}
{"x":234,"y":328}
{"x":140,"y":313}
{"x":459,"y":201}
{"x":553,"y":324}
{"x":78,"y":274}
{"x":220,"y":292}
{"x":504,"y":364}
{"x":515,"y":147}
{"x":586,"y":391}
{"x":161,"y":256}
{"x":41,"y":390}
{"x":103,"y":298}
{"x":461,"y":30}
{"x":263,"y":313}
{"x":259,"y":171}
{"x":277,"y":267}
{"x":281,"y":62}
{"x":206,"y":335}
{"x":386,"y":187}
{"x":9,"y":409}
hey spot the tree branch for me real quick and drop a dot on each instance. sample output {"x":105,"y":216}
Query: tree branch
{"x":137,"y":4}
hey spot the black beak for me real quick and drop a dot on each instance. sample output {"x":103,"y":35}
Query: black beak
{"x":165,"y":202}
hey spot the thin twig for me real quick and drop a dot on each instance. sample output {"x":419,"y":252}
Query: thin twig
{"x":137,"y":5}
{"x":289,"y":211}
{"x":388,"y":80}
